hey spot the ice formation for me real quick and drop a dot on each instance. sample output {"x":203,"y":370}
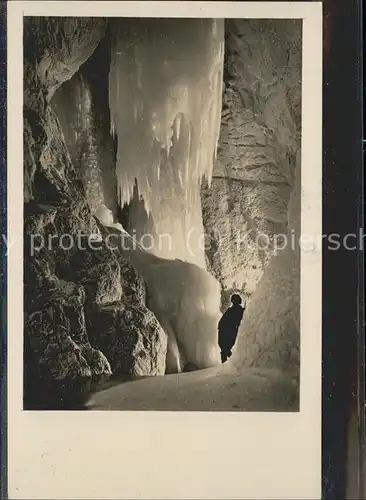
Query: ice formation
{"x":74,"y":103}
{"x":185,"y":300}
{"x":165,"y":91}
{"x":105,"y":217}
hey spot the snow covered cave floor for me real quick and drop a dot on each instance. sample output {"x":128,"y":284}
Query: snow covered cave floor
{"x":214,"y":389}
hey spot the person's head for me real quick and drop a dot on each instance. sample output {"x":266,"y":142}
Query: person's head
{"x":235,"y":299}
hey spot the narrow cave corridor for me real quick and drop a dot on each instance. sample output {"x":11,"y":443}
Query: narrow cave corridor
{"x":186,"y":147}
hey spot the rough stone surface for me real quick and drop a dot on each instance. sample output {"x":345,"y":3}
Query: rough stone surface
{"x":98,"y":270}
{"x":259,"y":140}
{"x":242,"y":221}
{"x":133,"y":285}
{"x":131,"y":338}
{"x":55,"y":48}
{"x":58,"y":349}
{"x":65,"y":277}
{"x":269,"y":336}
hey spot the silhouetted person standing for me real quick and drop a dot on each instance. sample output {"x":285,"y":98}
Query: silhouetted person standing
{"x":229,"y":325}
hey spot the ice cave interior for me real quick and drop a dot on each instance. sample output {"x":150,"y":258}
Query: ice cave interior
{"x":185,"y":134}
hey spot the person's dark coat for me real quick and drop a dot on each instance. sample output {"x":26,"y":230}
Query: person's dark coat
{"x":229,"y":325}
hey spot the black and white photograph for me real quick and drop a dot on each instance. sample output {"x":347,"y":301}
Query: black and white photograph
{"x":164,"y":243}
{"x":162,"y":185}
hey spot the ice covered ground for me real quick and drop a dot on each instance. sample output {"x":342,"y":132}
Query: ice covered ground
{"x":214,"y":389}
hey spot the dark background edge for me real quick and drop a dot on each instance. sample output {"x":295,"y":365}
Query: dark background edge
{"x":343,"y":287}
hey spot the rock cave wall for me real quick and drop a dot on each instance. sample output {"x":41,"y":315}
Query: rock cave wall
{"x":85,"y":305}
{"x":270,"y":335}
{"x":260,"y":136}
{"x":81,"y":105}
{"x":255,"y":195}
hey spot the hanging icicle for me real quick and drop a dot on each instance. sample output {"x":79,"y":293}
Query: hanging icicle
{"x":165,"y":89}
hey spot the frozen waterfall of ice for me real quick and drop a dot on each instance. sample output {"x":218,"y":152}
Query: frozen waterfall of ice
{"x":165,"y":91}
{"x":186,"y":301}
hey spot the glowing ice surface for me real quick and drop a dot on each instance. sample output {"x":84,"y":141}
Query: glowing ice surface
{"x":185,"y":300}
{"x":165,"y":91}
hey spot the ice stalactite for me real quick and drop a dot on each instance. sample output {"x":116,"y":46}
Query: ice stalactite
{"x":165,"y":91}
{"x":87,"y":142}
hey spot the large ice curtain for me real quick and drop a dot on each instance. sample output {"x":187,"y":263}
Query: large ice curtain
{"x":165,"y":91}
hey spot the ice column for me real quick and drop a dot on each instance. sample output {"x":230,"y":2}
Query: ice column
{"x":165,"y":91}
